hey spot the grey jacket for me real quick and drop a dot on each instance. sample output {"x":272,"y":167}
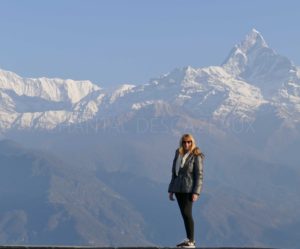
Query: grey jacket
{"x":190,"y":176}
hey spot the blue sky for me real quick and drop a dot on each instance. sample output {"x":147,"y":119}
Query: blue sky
{"x":130,"y":41}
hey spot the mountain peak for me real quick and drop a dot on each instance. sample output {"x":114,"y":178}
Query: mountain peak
{"x":253,"y":61}
{"x":238,"y":57}
{"x":253,"y":40}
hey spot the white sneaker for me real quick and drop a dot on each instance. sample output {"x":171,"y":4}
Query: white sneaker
{"x":186,"y":243}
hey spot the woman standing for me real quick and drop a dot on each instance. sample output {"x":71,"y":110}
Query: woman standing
{"x":186,"y":183}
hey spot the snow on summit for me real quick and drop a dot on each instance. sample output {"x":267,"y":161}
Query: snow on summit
{"x":49,"y":89}
{"x":121,"y":91}
{"x":253,"y":39}
{"x":254,"y":62}
{"x":238,"y":58}
{"x":40,"y":102}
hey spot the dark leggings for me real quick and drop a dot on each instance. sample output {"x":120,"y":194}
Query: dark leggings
{"x":185,"y":204}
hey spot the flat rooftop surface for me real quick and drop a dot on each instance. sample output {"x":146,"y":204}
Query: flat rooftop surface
{"x":99,"y":247}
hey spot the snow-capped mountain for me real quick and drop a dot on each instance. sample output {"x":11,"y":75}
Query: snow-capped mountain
{"x":253,"y":61}
{"x":206,"y":93}
{"x":252,"y":76}
{"x":43,"y":103}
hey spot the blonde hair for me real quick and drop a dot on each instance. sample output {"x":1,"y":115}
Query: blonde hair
{"x":194,"y":149}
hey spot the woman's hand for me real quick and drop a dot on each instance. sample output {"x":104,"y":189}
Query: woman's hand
{"x":171,"y":196}
{"x":195,"y":197}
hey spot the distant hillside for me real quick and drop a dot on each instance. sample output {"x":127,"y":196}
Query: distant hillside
{"x":45,"y":201}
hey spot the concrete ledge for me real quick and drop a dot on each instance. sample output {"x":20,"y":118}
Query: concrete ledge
{"x":99,"y":247}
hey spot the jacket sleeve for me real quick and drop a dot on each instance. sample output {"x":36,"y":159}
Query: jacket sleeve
{"x":198,"y":175}
{"x":173,"y":170}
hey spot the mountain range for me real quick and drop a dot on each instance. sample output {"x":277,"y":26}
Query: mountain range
{"x":244,"y":114}
{"x":252,"y":76}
